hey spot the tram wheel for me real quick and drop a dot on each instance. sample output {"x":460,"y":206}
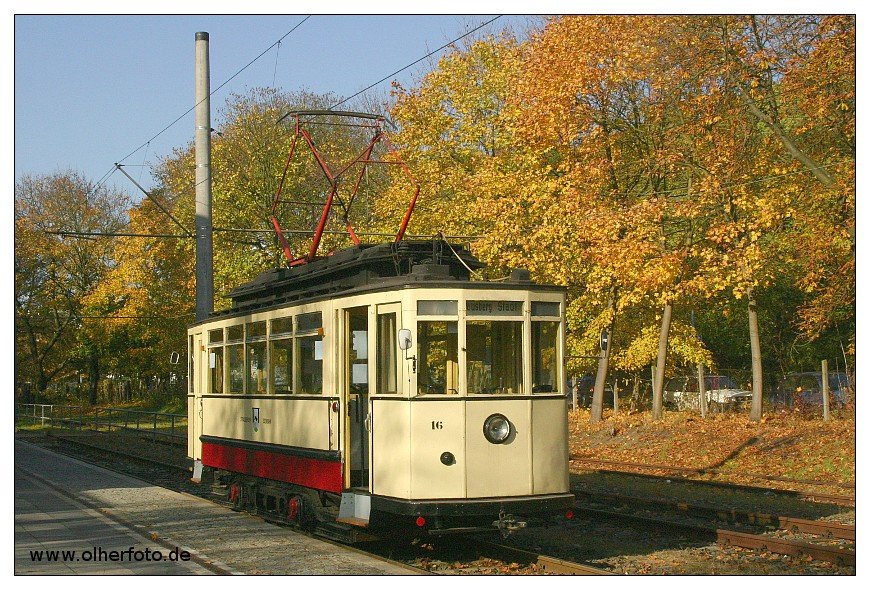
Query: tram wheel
{"x":235,"y":496}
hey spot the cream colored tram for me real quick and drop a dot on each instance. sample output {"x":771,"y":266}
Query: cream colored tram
{"x":380,"y":388}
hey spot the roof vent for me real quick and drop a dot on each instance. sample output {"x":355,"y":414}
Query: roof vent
{"x":431,"y":271}
{"x":520,"y":275}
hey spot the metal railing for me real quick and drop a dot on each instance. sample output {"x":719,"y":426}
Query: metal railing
{"x":156,"y":425}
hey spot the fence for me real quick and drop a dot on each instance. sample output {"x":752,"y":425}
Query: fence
{"x":781,"y":393}
{"x":156,"y":425}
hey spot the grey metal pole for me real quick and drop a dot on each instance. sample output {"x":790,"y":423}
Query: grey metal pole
{"x":202,"y":145}
{"x":615,"y":397}
{"x":702,"y":393}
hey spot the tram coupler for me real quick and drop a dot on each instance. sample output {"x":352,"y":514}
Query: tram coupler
{"x":508,"y":523}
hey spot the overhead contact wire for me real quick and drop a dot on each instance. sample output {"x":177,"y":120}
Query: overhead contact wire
{"x":227,"y":81}
{"x":430,"y":54}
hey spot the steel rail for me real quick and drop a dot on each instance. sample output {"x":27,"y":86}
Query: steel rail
{"x":545,"y":563}
{"x":836,"y":555}
{"x":155,"y":462}
{"x":813,"y":496}
{"x":704,"y":470}
{"x":821,"y":528}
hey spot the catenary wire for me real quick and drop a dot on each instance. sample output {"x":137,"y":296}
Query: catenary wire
{"x":671,"y":193}
{"x":430,"y":54}
{"x":227,"y":81}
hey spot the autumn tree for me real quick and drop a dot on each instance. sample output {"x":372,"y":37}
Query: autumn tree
{"x":606,"y":97}
{"x":528,"y":142}
{"x":455,"y":136}
{"x":772,"y":173}
{"x":55,"y":273}
{"x":150,"y":291}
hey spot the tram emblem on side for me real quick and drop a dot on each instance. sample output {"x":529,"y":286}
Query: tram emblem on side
{"x":255,"y":417}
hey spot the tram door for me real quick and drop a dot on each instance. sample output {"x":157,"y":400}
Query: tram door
{"x":357,"y":391}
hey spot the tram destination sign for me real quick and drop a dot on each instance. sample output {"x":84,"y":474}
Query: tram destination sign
{"x":498,"y":308}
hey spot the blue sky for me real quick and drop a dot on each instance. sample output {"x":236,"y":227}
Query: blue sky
{"x":89,"y":90}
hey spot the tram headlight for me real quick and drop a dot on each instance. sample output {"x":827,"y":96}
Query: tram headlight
{"x":496,"y":429}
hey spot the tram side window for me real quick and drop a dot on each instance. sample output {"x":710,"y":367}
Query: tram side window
{"x":545,"y":357}
{"x":282,"y":326}
{"x":358,"y":353}
{"x":235,"y":359}
{"x":282,"y":365}
{"x":236,"y":366}
{"x":310,"y":367}
{"x":438,"y":351}
{"x":281,"y":354}
{"x":256,"y":361}
{"x":387,"y":354}
{"x":216,"y":361}
{"x":309,"y":353}
{"x":495,"y":356}
{"x":235,"y":333}
{"x":309,"y":321}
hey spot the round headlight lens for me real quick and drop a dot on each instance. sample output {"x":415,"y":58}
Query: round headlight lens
{"x":496,"y":429}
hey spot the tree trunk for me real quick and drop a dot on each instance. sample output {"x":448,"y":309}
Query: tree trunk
{"x":773,"y":122}
{"x":755,"y":345}
{"x":601,"y":375}
{"x":798,"y":154}
{"x":598,"y":391}
{"x":635,"y":394}
{"x":660,"y":363}
{"x":93,"y":376}
{"x":26,"y":393}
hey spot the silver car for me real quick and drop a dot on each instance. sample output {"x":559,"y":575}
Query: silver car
{"x":806,"y":388}
{"x":682,"y":393}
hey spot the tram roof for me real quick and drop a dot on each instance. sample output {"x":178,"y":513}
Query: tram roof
{"x":393,"y":265}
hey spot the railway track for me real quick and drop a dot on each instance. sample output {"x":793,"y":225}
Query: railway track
{"x":191,"y":489}
{"x":77,"y":441}
{"x":629,"y":469}
{"x":543,"y":563}
{"x":533,"y":563}
{"x":709,"y":470}
{"x":836,"y":555}
{"x":822,"y":528}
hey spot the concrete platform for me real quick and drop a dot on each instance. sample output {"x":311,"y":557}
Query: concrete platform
{"x":62,"y":503}
{"x":47,"y":524}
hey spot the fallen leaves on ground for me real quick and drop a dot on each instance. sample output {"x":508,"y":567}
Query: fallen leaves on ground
{"x":781,"y":445}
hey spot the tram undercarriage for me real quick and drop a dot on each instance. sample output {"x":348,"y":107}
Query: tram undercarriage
{"x":319,"y":512}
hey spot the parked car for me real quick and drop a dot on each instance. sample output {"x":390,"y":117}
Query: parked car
{"x":585,"y":386}
{"x":682,"y":393}
{"x":806,"y":388}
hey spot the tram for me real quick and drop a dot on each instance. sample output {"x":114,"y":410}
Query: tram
{"x":381,"y":390}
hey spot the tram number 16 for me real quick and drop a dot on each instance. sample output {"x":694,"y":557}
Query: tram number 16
{"x":437,"y":425}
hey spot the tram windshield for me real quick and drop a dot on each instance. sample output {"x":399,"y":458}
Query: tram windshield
{"x":438,"y":343}
{"x":495,"y":356}
{"x":545,"y":357}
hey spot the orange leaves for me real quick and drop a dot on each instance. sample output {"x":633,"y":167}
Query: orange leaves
{"x":779,"y":445}
{"x":618,"y":155}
